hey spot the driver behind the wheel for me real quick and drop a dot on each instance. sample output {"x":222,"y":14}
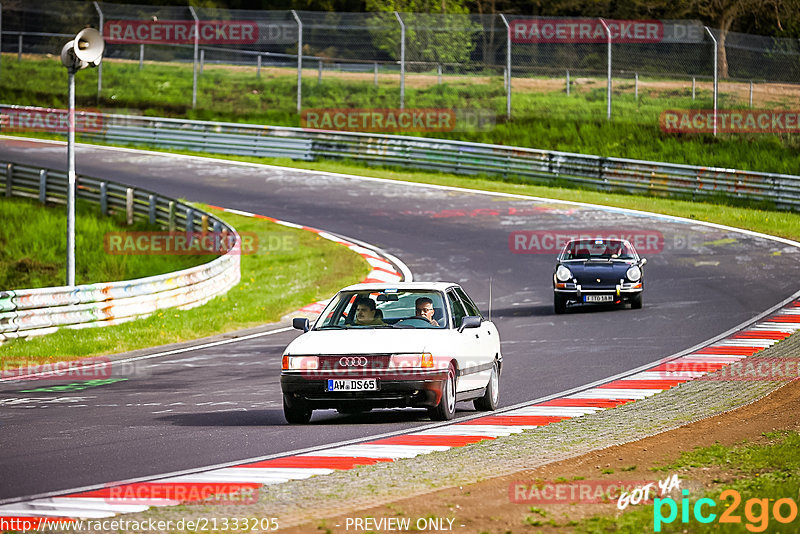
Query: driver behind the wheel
{"x":424,"y":310}
{"x":366,"y":312}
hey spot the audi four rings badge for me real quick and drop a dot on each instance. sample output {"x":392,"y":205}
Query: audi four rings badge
{"x":353,"y":361}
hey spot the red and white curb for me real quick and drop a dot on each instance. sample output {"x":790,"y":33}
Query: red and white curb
{"x":383,"y":270}
{"x":232,"y":480}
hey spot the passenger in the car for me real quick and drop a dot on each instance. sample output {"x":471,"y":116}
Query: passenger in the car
{"x":424,"y":307}
{"x":367,"y":313}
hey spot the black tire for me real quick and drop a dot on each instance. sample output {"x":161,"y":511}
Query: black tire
{"x":636,"y":302}
{"x":490,"y":399}
{"x":296,"y":413}
{"x":446,"y":409}
{"x":559,"y":303}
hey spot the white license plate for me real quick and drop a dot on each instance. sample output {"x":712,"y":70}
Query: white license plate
{"x":598,"y":298}
{"x":351,"y":384}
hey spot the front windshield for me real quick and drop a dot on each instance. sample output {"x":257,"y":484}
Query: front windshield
{"x":384,"y":309}
{"x":597,"y":249}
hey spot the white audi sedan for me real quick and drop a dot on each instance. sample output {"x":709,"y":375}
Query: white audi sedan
{"x":407,"y":344}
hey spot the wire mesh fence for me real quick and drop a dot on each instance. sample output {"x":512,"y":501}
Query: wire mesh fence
{"x":485,"y":65}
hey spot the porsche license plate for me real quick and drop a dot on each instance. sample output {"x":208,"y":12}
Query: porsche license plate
{"x":598,"y":298}
{"x":350,"y":384}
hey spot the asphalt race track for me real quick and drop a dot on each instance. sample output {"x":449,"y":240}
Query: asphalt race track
{"x":222,"y":404}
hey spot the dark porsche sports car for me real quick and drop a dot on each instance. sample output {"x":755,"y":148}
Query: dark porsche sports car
{"x":598,"y":271}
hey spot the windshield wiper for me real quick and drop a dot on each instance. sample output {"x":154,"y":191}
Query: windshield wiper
{"x":331,"y":326}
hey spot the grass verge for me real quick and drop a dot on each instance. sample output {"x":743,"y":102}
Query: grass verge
{"x":275,"y":281}
{"x":32,"y":251}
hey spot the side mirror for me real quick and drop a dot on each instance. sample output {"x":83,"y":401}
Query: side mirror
{"x":642,"y":262}
{"x":470,"y":321}
{"x":300,"y":323}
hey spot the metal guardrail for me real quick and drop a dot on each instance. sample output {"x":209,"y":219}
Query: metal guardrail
{"x":458,"y":157}
{"x":30,"y":312}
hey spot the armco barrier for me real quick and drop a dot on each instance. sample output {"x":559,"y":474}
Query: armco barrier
{"x":40,"y":311}
{"x":457,"y":157}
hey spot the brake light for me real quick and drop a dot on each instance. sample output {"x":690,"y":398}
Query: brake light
{"x":427,"y":360}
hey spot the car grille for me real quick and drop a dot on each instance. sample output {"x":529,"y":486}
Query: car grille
{"x":350,"y":362}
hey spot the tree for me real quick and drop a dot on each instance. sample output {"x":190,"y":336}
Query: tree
{"x":437,"y":31}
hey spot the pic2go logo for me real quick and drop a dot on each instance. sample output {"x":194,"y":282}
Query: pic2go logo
{"x":756,"y":511}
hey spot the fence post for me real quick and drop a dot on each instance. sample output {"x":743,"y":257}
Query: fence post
{"x":694,"y":83}
{"x":608,"y":91}
{"x":567,"y":82}
{"x":43,"y":186}
{"x":194,"y":61}
{"x":19,"y":48}
{"x":103,"y":198}
{"x":141,"y":56}
{"x":439,"y":74}
{"x":151,"y":209}
{"x":319,"y":74}
{"x":299,"y":61}
{"x":129,"y":205}
{"x":171,"y":219}
{"x":636,"y":87}
{"x":376,"y":74}
{"x":402,"y":60}
{"x":751,"y":93}
{"x":100,"y":66}
{"x":716,"y":79}
{"x":508,"y":65}
{"x":258,"y":66}
{"x":202,"y":61}
{"x":9,"y":178}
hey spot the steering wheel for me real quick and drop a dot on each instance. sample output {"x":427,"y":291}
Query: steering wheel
{"x":414,"y":322}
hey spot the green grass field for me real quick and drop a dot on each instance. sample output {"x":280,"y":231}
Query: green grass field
{"x":291,"y":268}
{"x":543,"y":116}
{"x":33,"y":251}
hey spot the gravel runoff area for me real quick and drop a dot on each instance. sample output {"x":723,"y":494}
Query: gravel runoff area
{"x":303,"y":501}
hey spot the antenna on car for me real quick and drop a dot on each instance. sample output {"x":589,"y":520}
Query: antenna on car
{"x":490,"y":298}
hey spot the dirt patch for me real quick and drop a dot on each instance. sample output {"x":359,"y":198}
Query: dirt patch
{"x":487,"y":506}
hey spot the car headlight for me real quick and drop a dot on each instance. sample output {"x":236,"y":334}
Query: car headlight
{"x":563,"y":274}
{"x":299,"y":363}
{"x":634,"y":274}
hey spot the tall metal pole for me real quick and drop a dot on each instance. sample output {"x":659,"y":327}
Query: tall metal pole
{"x":402,"y":60}
{"x":608,"y":90}
{"x":716,"y":79}
{"x":508,"y":66}
{"x":299,"y":61}
{"x":100,"y":66}
{"x":194,"y":63}
{"x":1,"y":31}
{"x":71,"y":181}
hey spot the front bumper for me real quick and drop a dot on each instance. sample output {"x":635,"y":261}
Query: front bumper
{"x":422,"y":389}
{"x":620,"y":293}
